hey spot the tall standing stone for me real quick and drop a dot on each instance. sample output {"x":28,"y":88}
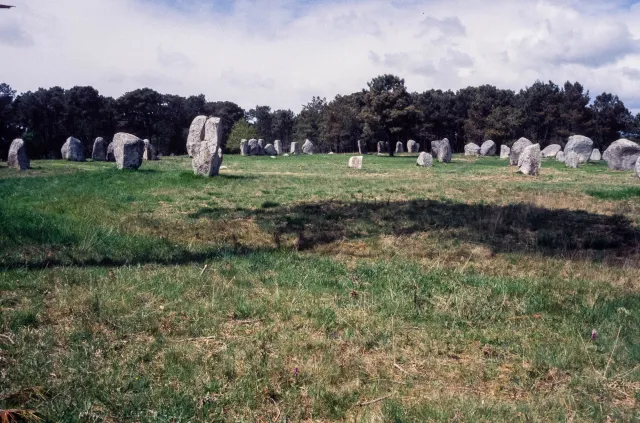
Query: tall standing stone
{"x":425,"y":160}
{"x":150,"y":152}
{"x":444,"y":151}
{"x":572,"y":160}
{"x":622,"y":154}
{"x":73,"y":150}
{"x":277,"y":145}
{"x":505,"y":152}
{"x":243,"y":147}
{"x":595,"y":155}
{"x":18,"y":157}
{"x":362,"y":147}
{"x":295,"y":148}
{"x":99,"y":153}
{"x":581,"y":145}
{"x":530,"y":160}
{"x":517,"y":149}
{"x":471,"y":149}
{"x":551,"y":150}
{"x":399,"y":148}
{"x":208,"y":158}
{"x":412,"y":146}
{"x":196,"y":133}
{"x":128,"y":150}
{"x":355,"y":162}
{"x":308,"y":147}
{"x":488,"y":148}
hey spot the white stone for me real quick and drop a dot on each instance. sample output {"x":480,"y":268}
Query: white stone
{"x":355,"y":162}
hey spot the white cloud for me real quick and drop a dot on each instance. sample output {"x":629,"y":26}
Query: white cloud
{"x":282,"y":53}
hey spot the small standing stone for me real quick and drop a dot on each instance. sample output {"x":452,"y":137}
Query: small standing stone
{"x":150,"y":152}
{"x":412,"y":146}
{"x":517,"y":150}
{"x":110,"y":155}
{"x":444,"y":151}
{"x":355,"y":162}
{"x":277,"y":144}
{"x":270,"y":150}
{"x":99,"y":153}
{"x":73,"y":150}
{"x":488,"y":148}
{"x":505,"y":152}
{"x":435,"y":145}
{"x":399,"y":148}
{"x":425,"y":160}
{"x":530,"y":160}
{"x":243,"y":147}
{"x":471,"y":149}
{"x":17,"y":157}
{"x":595,"y":155}
{"x":295,"y":149}
{"x":128,"y":150}
{"x":308,"y":147}
{"x":261,"y":143}
{"x":254,"y":148}
{"x":572,"y":160}
{"x":362,"y":147}
{"x":381,"y":147}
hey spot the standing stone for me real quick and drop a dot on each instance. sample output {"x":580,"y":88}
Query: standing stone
{"x":572,"y":160}
{"x":595,"y":155}
{"x":99,"y":153}
{"x":73,"y":150}
{"x":471,"y":149}
{"x":399,"y":148}
{"x":362,"y":147}
{"x":295,"y":148}
{"x":425,"y":160}
{"x":560,"y":156}
{"x":517,"y":149}
{"x":530,"y":160}
{"x":381,"y":147}
{"x":270,"y":150}
{"x":110,"y":155}
{"x":128,"y":150}
{"x":261,"y":143}
{"x":622,"y":154}
{"x":277,"y":145}
{"x":435,"y":145}
{"x":551,"y":150}
{"x":505,"y":152}
{"x":254,"y":148}
{"x":243,"y":147}
{"x":355,"y":162}
{"x":412,"y":146}
{"x":208,"y":158}
{"x":638,"y":167}
{"x":17,"y":157}
{"x":196,"y":133}
{"x":308,"y":147}
{"x":488,"y":148}
{"x":581,"y":145}
{"x":444,"y":151}
{"x":150,"y":152}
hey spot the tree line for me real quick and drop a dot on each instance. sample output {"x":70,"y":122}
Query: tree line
{"x":383,"y":111}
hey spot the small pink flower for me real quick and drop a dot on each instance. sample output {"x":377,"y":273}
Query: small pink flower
{"x":296,"y":372}
{"x":594,"y":335}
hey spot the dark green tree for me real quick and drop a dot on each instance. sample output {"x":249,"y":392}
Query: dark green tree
{"x":282,"y":122}
{"x":610,"y":119}
{"x":262,"y":119}
{"x":309,"y":119}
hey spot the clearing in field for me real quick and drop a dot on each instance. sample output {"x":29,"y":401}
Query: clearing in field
{"x":297,"y":289}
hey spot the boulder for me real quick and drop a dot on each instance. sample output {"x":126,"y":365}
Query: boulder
{"x":243,"y":147}
{"x":99,"y":153}
{"x":517,"y":150}
{"x":505,"y":152}
{"x":638,"y":167}
{"x":254,"y":148}
{"x":73,"y":150}
{"x":595,"y":155}
{"x":110,"y":156}
{"x":425,"y":160}
{"x":572,"y":160}
{"x":412,"y":146}
{"x":530,"y":160}
{"x":295,"y":148}
{"x":128,"y":150}
{"x":560,"y":156}
{"x":444,"y":151}
{"x":150,"y":152}
{"x":551,"y":150}
{"x":362,"y":147}
{"x":196,"y":133}
{"x":17,"y":157}
{"x":277,"y":145}
{"x":355,"y":162}
{"x":207,"y":158}
{"x":270,"y":150}
{"x":399,"y":148}
{"x":471,"y":149}
{"x":581,"y":145}
{"x":308,"y":147}
{"x":488,"y":148}
{"x":622,"y":154}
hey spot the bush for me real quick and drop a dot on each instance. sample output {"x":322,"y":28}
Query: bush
{"x":241,"y":130}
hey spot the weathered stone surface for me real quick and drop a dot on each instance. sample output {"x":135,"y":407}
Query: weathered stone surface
{"x":308,"y":147}
{"x":277,"y":145}
{"x":110,"y":156}
{"x":581,"y":145}
{"x":572,"y":160}
{"x":595,"y":155}
{"x":444,"y":151}
{"x":382,"y":148}
{"x":505,"y":152}
{"x":99,"y":153}
{"x":18,"y":157}
{"x":471,"y":149}
{"x":560,"y":156}
{"x":425,"y":160}
{"x":150,"y":152}
{"x":488,"y":148}
{"x":412,"y":146}
{"x":73,"y":150}
{"x":399,"y":148}
{"x":362,"y":147}
{"x":530,"y":160}
{"x":128,"y":151}
{"x":207,"y":160}
{"x":295,"y":148}
{"x":638,"y":167}
{"x":622,"y":154}
{"x":517,"y":150}
{"x":551,"y":150}
{"x":243,"y":147}
{"x":270,"y":150}
{"x":605,"y":154}
{"x":196,"y":133}
{"x":355,"y":162}
{"x":254,"y":148}
{"x":434,"y":147}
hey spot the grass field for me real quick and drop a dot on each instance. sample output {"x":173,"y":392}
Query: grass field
{"x":295,"y":289}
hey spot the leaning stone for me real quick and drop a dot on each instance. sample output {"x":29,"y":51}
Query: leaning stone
{"x":277,"y":144}
{"x":572,"y":160}
{"x":595,"y":155}
{"x":444,"y":151}
{"x":551,"y":150}
{"x":17,"y":157}
{"x":99,"y":153}
{"x":270,"y":150}
{"x":412,"y":146}
{"x":622,"y":154}
{"x":308,"y":147}
{"x":581,"y":145}
{"x":110,"y":156}
{"x":196,"y":133}
{"x":295,"y":148}
{"x":128,"y":150}
{"x":488,"y":148}
{"x":362,"y":147}
{"x":150,"y":152}
{"x":399,"y":148}
{"x":208,"y":159}
{"x":355,"y":162}
{"x":73,"y":150}
{"x":560,"y":156}
{"x":471,"y":149}
{"x":517,"y":149}
{"x":531,"y":160}
{"x":425,"y":160}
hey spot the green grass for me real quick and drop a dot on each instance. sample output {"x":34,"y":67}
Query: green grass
{"x":297,"y":289}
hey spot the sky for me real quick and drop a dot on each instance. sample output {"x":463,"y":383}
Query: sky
{"x":281,"y":53}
